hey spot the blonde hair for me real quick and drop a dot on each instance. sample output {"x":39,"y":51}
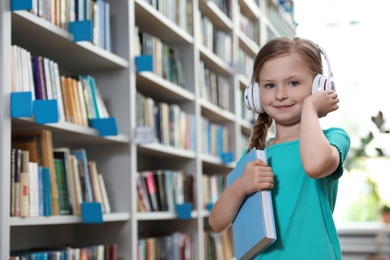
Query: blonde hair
{"x":277,"y":47}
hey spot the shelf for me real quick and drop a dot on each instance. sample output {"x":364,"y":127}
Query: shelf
{"x":217,"y":17}
{"x":164,"y":215}
{"x":159,"y":150}
{"x":249,"y":8}
{"x":215,"y":113}
{"x":158,"y":215}
{"x":68,"y":132}
{"x":215,"y":164}
{"x":156,"y":87}
{"x":147,"y":17}
{"x":64,"y":220}
{"x":248,"y":45}
{"x":213,"y":62}
{"x":43,"y":38}
{"x":245,"y":125}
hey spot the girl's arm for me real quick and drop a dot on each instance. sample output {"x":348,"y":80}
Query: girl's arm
{"x":256,"y":176}
{"x":319,"y":158}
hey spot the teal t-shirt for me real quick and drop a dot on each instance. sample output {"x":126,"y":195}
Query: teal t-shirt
{"x":303,"y":206}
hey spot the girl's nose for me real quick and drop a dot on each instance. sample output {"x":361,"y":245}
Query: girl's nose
{"x":281,"y":93}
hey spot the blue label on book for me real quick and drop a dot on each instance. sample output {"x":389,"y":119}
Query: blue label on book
{"x":81,"y":30}
{"x":21,"y":5}
{"x":105,"y":126}
{"x":183,"y":210}
{"x":91,"y":212}
{"x":45,"y":111}
{"x":144,"y":63}
{"x":21,"y":104}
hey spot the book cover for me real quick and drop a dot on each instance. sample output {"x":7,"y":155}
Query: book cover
{"x":256,"y":209}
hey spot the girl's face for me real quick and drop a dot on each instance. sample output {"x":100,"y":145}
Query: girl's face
{"x":284,"y":83}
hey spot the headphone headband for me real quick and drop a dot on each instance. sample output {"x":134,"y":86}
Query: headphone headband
{"x":329,"y":82}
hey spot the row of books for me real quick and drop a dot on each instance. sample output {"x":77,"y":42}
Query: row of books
{"x":62,"y":12}
{"x":172,"y":126}
{"x":215,"y":88}
{"x":216,"y":40}
{"x":177,"y":245}
{"x":218,"y":246}
{"x":78,"y":98}
{"x":161,"y":190}
{"x":49,"y":181}
{"x":225,"y":6}
{"x":178,"y":11}
{"x":215,"y":136}
{"x":213,"y":185}
{"x":96,"y":252}
{"x":282,"y":21}
{"x":250,"y":28}
{"x":166,"y":59}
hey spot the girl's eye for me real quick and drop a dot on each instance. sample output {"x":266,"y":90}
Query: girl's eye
{"x":270,"y":85}
{"x":294,"y":83}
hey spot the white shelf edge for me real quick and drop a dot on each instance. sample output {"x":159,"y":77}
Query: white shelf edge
{"x":76,"y":129}
{"x":222,"y":20}
{"x":180,"y":32}
{"x":64,"y":220}
{"x":168,"y":85}
{"x":104,"y":53}
{"x":168,"y":150}
{"x":44,"y":24}
{"x":227,"y":115}
{"x":251,"y":8}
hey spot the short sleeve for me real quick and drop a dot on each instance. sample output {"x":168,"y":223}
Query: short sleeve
{"x":341,"y":140}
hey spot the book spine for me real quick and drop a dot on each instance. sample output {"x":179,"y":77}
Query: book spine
{"x":24,"y":195}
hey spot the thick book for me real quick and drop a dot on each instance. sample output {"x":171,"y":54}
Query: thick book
{"x":254,"y":225}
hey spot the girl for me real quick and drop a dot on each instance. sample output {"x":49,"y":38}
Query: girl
{"x":304,"y":161}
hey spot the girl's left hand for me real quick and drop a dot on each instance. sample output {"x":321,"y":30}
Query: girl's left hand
{"x":323,"y":102}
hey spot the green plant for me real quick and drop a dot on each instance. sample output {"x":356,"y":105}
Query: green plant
{"x":360,"y":151}
{"x":385,"y":208}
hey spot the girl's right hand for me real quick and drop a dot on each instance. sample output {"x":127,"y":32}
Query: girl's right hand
{"x":257,"y":176}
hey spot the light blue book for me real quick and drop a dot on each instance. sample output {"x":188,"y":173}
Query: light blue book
{"x":254,"y":225}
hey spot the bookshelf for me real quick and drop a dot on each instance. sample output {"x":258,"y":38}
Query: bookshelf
{"x":119,"y":157}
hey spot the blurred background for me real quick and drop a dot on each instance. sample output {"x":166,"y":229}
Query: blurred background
{"x":355,"y":36}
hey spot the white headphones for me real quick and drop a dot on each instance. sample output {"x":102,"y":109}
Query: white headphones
{"x":320,"y":82}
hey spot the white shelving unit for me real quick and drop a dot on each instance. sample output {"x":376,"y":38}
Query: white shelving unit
{"x":118,"y":157}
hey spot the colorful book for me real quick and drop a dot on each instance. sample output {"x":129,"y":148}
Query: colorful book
{"x":40,"y":146}
{"x":254,"y":225}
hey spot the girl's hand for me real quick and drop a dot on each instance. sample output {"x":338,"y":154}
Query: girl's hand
{"x":257,"y":176}
{"x":323,"y":102}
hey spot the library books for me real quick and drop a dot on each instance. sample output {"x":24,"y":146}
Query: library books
{"x":39,"y":190}
{"x":254,"y":225}
{"x":161,"y":190}
{"x":40,"y":147}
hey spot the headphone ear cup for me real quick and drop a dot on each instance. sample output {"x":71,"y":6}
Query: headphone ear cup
{"x":252,"y":98}
{"x":247,"y":97}
{"x":319,"y":83}
{"x":258,"y":108}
